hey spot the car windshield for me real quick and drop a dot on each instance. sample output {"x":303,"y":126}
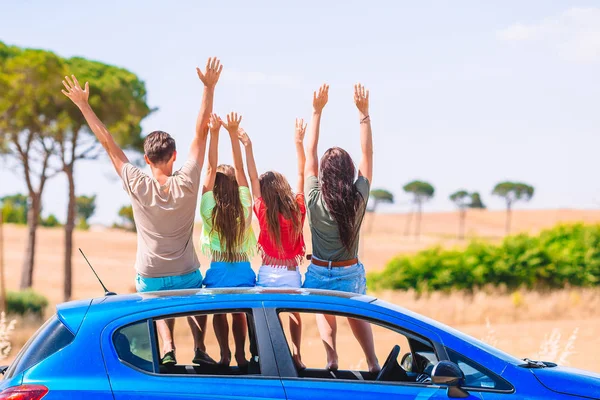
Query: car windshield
{"x":454,"y":332}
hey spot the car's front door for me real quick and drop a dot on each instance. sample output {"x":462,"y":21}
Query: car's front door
{"x":135,"y":372}
{"x":341,"y":385}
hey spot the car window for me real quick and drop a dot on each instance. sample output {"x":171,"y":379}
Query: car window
{"x":50,"y":338}
{"x":477,"y":376}
{"x":132,"y":344}
{"x":205,"y":344}
{"x":407,"y":366}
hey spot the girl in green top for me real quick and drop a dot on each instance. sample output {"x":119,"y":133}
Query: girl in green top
{"x":227,"y":236}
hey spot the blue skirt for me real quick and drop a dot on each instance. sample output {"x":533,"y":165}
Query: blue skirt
{"x":345,"y":279}
{"x":229,"y":274}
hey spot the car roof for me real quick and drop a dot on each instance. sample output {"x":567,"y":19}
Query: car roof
{"x":113,"y":306}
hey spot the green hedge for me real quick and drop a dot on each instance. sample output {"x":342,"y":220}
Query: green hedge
{"x":563,"y":255}
{"x":26,"y":302}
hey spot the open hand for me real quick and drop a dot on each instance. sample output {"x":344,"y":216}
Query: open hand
{"x":244,"y":138}
{"x":300,"y":130}
{"x":233,"y":123}
{"x":214,"y":124}
{"x":320,"y":98}
{"x":213,"y":70}
{"x":361,"y":99}
{"x":74,"y":91}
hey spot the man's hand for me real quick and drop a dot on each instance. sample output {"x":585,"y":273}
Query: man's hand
{"x":214,"y":124}
{"x":74,"y":91}
{"x":244,"y":138}
{"x":213,"y":70}
{"x":361,"y":99}
{"x":233,"y":123}
{"x":300,"y":130}
{"x":320,"y":98}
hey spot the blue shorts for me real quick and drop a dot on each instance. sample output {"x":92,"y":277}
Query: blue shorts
{"x":193,"y":280}
{"x":229,"y":274}
{"x":344,"y":279}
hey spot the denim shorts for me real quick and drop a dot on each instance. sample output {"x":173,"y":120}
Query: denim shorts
{"x":229,"y":274}
{"x":193,"y":280}
{"x":344,"y":279}
{"x":278,"y":277}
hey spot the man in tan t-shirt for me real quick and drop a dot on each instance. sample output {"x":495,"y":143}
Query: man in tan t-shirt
{"x":164,"y":206}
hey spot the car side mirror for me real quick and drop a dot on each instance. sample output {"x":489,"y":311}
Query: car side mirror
{"x":407,"y":362}
{"x":449,"y":374}
{"x":3,"y":369}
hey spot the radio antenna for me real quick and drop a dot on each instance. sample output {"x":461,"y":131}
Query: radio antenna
{"x":106,"y":291}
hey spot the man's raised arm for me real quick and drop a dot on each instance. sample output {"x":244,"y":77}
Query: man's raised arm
{"x":80,"y":97}
{"x":209,"y":78}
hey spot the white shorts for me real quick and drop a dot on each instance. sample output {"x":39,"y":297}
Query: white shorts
{"x":279,"y":277}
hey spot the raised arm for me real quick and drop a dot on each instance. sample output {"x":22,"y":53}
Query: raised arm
{"x":252,"y":171}
{"x":210,"y":78}
{"x":213,"y":154}
{"x":299,"y":139}
{"x":80,"y":97}
{"x":361,"y":99}
{"x":232,"y":126}
{"x":312,"y":162}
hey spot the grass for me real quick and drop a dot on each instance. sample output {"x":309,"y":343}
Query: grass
{"x":6,"y":329}
{"x":499,"y":305}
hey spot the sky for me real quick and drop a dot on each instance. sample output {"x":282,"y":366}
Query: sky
{"x":464,"y":94}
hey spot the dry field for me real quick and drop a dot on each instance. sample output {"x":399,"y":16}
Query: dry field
{"x":519,"y":321}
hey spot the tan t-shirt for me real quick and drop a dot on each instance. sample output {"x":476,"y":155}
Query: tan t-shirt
{"x":164,"y":219}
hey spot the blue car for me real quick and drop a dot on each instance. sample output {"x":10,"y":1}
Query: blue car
{"x":108,"y":348}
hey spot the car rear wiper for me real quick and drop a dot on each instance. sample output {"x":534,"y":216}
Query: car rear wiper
{"x":529,"y":363}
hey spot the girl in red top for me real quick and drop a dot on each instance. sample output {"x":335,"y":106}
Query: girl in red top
{"x":280,"y":215}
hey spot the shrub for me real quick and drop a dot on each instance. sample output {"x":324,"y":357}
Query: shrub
{"x":557,"y":257}
{"x":26,"y":302}
{"x":50,"y":222}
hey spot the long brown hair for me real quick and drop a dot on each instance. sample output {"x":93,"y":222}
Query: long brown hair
{"x":228,"y":215}
{"x":343,"y":200}
{"x":279,"y":200}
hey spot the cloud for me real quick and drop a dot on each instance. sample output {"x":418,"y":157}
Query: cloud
{"x":259,"y":78}
{"x":573,"y":35}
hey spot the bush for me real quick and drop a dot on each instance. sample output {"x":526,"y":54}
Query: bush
{"x":50,"y":222}
{"x":26,"y":302}
{"x":563,"y":255}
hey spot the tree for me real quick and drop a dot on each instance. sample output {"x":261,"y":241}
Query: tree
{"x":476,"y":201}
{"x":126,"y":215}
{"x":378,"y":196}
{"x":421,"y":192}
{"x":461,"y":199}
{"x":14,"y":209}
{"x":512,"y":192}
{"x":30,"y":112}
{"x":2,"y":280}
{"x":119,"y":98}
{"x":86,"y":207}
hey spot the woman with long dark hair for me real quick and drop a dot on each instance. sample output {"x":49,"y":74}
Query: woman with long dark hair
{"x":227,"y":236}
{"x":336,"y":202}
{"x":280,"y":215}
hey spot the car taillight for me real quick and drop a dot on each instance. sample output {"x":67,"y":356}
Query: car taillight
{"x":24,"y":392}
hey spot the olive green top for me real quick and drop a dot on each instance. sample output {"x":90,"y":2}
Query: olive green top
{"x":326,"y":242}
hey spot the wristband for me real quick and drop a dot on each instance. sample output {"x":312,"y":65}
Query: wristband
{"x":365,"y":119}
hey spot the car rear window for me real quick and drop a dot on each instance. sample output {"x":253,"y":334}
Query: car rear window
{"x":49,"y":339}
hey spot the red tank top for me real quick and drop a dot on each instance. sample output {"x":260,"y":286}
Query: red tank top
{"x":292,"y":249}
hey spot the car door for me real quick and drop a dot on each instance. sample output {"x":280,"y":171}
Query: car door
{"x":140,"y":377}
{"x":300,"y":388}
